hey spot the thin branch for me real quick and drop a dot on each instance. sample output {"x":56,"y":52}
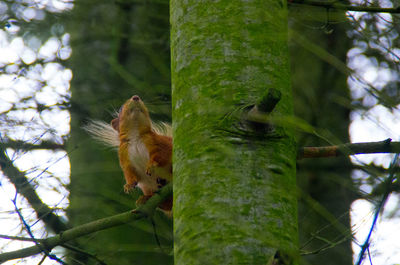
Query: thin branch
{"x":379,"y":209}
{"x":82,"y":252}
{"x":143,"y":211}
{"x":386,"y":146}
{"x":377,"y":170}
{"x":19,"y":238}
{"x":327,"y":246}
{"x":42,"y":260}
{"x":337,"y":5}
{"x":29,"y":146}
{"x":24,"y":187}
{"x":28,"y":229}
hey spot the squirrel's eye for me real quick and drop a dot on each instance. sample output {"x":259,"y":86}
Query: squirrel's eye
{"x":120,"y":109}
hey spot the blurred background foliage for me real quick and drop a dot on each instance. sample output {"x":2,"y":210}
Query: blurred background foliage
{"x":120,"y":49}
{"x":322,"y":98}
{"x":64,"y":63}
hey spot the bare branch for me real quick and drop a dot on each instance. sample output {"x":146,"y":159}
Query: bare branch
{"x":25,"y":188}
{"x":19,"y":238}
{"x":336,"y":5}
{"x":82,"y":252}
{"x":18,"y":144}
{"x":143,"y":211}
{"x":386,"y":146}
{"x":379,"y":208}
{"x":28,"y":229}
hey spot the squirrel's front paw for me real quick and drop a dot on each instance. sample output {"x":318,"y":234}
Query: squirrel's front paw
{"x":161,"y":182}
{"x":129,"y":186}
{"x":142,"y":199}
{"x":149,"y":170}
{"x":151,"y":167}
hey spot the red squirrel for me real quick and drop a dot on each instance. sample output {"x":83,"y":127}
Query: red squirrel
{"x":144,"y":148}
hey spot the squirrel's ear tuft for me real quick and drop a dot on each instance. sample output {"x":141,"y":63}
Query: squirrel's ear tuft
{"x":115,"y":124}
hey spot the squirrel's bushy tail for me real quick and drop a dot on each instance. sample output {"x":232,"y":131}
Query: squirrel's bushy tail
{"x":162,"y":128}
{"x":105,"y":133}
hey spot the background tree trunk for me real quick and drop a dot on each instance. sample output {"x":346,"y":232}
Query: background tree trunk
{"x":322,"y":99}
{"x":119,"y":50}
{"x":234,"y":192}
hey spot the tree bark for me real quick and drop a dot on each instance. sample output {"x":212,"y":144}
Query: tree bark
{"x":234,"y":185}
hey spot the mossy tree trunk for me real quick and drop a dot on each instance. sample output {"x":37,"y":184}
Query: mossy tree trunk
{"x":234,"y":186}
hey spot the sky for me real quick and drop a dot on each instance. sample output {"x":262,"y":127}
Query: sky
{"x":17,"y":83}
{"x":376,"y":125}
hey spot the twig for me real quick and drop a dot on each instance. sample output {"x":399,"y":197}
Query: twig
{"x":327,"y":246}
{"x":144,"y":210}
{"x":28,"y":229}
{"x":19,"y":238}
{"x":379,"y":209}
{"x":82,"y":252}
{"x":23,"y":187}
{"x":338,"y":5}
{"x":42,"y":260}
{"x":23,"y":145}
{"x":386,"y":146}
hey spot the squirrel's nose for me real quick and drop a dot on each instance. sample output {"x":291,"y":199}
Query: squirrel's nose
{"x":135,"y":98}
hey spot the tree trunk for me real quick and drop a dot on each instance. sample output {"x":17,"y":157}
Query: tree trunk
{"x":119,"y":50}
{"x":234,"y":185}
{"x":322,"y":99}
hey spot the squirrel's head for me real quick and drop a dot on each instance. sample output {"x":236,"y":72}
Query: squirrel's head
{"x":133,"y":115}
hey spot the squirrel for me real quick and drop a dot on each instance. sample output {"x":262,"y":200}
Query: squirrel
{"x":144,"y":148}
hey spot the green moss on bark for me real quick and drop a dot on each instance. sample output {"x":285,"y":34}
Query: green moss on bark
{"x":234,"y":201}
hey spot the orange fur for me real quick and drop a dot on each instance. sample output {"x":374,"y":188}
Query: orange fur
{"x":144,"y":148}
{"x":145,"y":156}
